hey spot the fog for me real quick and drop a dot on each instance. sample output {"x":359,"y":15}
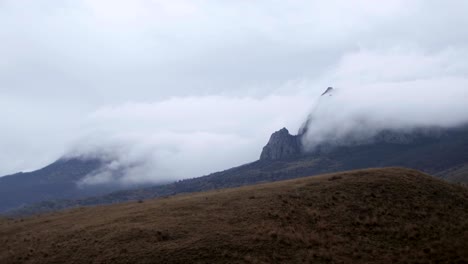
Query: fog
{"x":176,"y":89}
{"x":356,"y":114}
{"x":184,"y":137}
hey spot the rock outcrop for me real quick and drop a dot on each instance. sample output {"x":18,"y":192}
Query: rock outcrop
{"x":303,"y":129}
{"x":329,"y":91}
{"x":281,"y":145}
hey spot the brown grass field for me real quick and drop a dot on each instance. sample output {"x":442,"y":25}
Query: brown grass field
{"x":388,"y":215}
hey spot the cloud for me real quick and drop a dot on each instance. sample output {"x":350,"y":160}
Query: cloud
{"x":399,"y":89}
{"x":180,"y":88}
{"x":183,"y":137}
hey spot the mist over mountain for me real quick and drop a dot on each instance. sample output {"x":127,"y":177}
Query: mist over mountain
{"x":56,"y":181}
{"x":200,"y":83}
{"x":362,"y":115}
{"x":434,"y":145}
{"x":326,"y":129}
{"x":198,"y":87}
{"x":344,"y":116}
{"x":96,"y":168}
{"x":207,"y":131}
{"x":336,"y":125}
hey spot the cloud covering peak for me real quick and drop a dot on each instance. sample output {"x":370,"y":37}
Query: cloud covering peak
{"x":197,"y":86}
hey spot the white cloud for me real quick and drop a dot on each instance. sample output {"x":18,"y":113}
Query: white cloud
{"x":169,"y":79}
{"x":186,"y":137}
{"x":392,"y":89}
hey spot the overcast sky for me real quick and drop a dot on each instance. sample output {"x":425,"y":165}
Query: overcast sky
{"x":194,"y":86}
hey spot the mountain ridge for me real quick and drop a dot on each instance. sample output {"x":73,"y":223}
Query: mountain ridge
{"x":435,"y":156}
{"x":439,"y":151}
{"x":58,"y":180}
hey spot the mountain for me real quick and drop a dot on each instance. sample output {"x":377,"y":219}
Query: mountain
{"x":329,"y":91}
{"x":389,"y":215}
{"x":442,"y":152}
{"x":281,"y":145}
{"x":55,"y":181}
{"x":445,"y":156}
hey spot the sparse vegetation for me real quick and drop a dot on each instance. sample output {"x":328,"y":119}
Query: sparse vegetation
{"x":368,"y":216}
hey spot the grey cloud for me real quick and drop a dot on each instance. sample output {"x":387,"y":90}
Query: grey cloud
{"x":168,"y":80}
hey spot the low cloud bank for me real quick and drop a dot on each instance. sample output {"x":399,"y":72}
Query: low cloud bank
{"x":182,"y":137}
{"x":390,"y":90}
{"x":166,"y":90}
{"x":188,"y":137}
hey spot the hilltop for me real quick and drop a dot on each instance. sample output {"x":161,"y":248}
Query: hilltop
{"x":390,"y":215}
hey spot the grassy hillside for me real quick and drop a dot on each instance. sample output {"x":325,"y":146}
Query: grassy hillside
{"x":369,"y":216}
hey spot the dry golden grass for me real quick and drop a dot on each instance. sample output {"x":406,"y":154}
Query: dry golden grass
{"x":369,"y":216}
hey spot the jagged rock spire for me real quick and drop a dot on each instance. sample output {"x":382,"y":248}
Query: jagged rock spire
{"x":303,"y":129}
{"x":281,"y":145}
{"x":328,"y":91}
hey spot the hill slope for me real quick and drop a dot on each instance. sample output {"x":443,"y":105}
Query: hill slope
{"x":58,"y":180}
{"x":456,"y":174}
{"x":55,"y":181}
{"x":370,"y":216}
{"x":442,"y":156}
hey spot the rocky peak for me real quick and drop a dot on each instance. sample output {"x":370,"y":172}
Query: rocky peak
{"x":281,"y":145}
{"x":328,"y":91}
{"x":303,"y":130}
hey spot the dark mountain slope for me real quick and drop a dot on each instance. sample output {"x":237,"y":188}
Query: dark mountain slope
{"x":371,"y":216}
{"x":56,"y":181}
